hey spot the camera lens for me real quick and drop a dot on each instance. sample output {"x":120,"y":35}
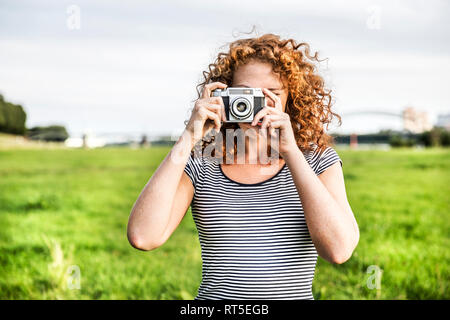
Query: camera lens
{"x":241,"y":108}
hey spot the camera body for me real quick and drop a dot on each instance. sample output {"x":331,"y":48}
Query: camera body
{"x":241,"y":104}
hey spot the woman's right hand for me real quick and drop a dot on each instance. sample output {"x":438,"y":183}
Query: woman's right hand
{"x":207,"y":114}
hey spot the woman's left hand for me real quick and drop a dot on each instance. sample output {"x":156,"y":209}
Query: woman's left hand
{"x":275,"y":118}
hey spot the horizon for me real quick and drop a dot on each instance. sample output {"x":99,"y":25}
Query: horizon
{"x":117,"y":67}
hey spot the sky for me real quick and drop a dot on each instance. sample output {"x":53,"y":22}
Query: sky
{"x":110,"y":67}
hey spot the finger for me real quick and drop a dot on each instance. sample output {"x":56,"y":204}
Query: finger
{"x":272,"y":116}
{"x":215,"y":100}
{"x":272,"y":131}
{"x":217,"y":109}
{"x":276,"y":99}
{"x":208,"y":88}
{"x":274,"y":127}
{"x":219,"y":101}
{"x":265,"y":111}
{"x":276,"y":124}
{"x":259,"y":115}
{"x":224,"y":116}
{"x":210,"y":103}
{"x":266,"y":122}
{"x":214,"y":117}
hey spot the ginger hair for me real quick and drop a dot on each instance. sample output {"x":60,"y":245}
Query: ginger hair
{"x":309,"y":102}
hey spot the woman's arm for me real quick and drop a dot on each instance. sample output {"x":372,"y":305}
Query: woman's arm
{"x":164,"y":200}
{"x":330,"y":220}
{"x":166,"y":197}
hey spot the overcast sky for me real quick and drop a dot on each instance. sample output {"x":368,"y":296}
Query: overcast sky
{"x":132,"y":66}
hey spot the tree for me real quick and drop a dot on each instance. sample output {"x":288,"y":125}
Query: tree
{"x":436,"y":137}
{"x":12,"y":117}
{"x":50,"y":133}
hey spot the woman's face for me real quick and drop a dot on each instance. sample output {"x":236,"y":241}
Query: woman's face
{"x":256,"y":74}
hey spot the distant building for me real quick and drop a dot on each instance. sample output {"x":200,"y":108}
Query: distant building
{"x":88,"y":140}
{"x":144,"y":143}
{"x":443,"y":121}
{"x":74,"y":142}
{"x":416,"y":121}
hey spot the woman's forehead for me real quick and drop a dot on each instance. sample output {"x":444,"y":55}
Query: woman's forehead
{"x":257,"y":74}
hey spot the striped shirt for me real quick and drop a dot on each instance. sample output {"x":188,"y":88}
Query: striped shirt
{"x":254,"y":240}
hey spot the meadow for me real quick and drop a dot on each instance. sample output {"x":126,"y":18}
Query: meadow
{"x":63,"y":217}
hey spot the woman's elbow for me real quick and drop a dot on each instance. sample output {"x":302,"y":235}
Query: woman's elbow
{"x":142,"y":244}
{"x":340,"y":258}
{"x":343,"y":255}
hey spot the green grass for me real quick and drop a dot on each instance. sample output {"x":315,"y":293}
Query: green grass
{"x":60,"y":208}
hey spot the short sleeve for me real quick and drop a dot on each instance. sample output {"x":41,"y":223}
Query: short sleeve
{"x":193,"y":169}
{"x":328,"y":157}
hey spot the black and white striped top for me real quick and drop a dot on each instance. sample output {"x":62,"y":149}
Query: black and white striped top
{"x":254,"y":239}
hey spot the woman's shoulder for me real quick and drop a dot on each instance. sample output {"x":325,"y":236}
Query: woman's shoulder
{"x":201,"y":162}
{"x":316,"y":150}
{"x":320,"y":158}
{"x":313,"y":150}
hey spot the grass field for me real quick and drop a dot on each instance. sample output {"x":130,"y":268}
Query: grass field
{"x":63,"y":208}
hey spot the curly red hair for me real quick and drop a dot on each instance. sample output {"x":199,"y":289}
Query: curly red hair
{"x":308,"y":103}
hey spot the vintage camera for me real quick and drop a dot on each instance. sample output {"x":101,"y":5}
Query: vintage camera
{"x":241,"y":104}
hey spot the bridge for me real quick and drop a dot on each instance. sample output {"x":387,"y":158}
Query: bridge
{"x":368,"y":112}
{"x":413,"y":121}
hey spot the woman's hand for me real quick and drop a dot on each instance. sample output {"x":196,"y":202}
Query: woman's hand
{"x":274,"y":118}
{"x":208,"y":113}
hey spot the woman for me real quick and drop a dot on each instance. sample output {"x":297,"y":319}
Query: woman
{"x":260,"y":234}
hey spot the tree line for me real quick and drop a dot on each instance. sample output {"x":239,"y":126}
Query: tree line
{"x":435,"y":137}
{"x":12,"y":117}
{"x":13,"y":120}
